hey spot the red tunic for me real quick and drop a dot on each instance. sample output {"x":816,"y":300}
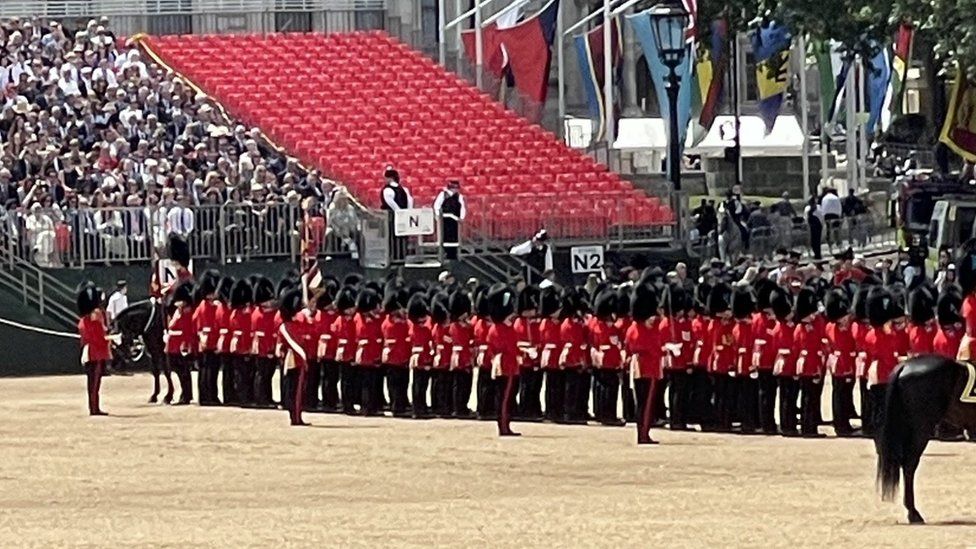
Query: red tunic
{"x":421,"y":350}
{"x":240,"y":331}
{"x":842,"y":350}
{"x":506,"y":355}
{"x":527,"y":330}
{"x":605,"y":345}
{"x":743,"y":341}
{"x":903,"y":344}
{"x":369,"y":339}
{"x":94,"y":338}
{"x":808,"y":349}
{"x":722,"y":342}
{"x":462,"y":339}
{"x":482,"y":358}
{"x":703,"y":348}
{"x":785,"y":361}
{"x":294,"y":334}
{"x":969,"y":314}
{"x":181,"y":338}
{"x":921,"y":338}
{"x":882,"y":349}
{"x":325,"y":348}
{"x":205,"y":323}
{"x":573,"y":335}
{"x":222,"y":322}
{"x":550,"y":344}
{"x":645,"y":348}
{"x":263,"y":331}
{"x":946,"y":341}
{"x":344,"y":338}
{"x":396,"y":340}
{"x":441,"y":345}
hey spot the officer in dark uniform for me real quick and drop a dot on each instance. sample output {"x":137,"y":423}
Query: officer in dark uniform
{"x":451,"y":209}
{"x":537,"y":255}
{"x":393,"y":197}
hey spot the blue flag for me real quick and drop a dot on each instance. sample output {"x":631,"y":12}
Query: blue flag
{"x":878,"y":78}
{"x":590,"y":53}
{"x":771,"y":46}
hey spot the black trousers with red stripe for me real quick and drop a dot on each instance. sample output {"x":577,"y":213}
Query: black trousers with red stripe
{"x":93,"y":373}
{"x":487,"y":397}
{"x":645,"y":390}
{"x":264,"y":369}
{"x":180,"y":365}
{"x":506,"y":388}
{"x":209,"y":368}
{"x":294,"y":383}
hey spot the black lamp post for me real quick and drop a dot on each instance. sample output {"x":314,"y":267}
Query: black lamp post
{"x":669,"y":23}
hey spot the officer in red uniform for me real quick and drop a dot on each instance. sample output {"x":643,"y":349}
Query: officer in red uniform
{"x":623,"y":321}
{"x":764,"y":350}
{"x":240,"y":334}
{"x":951,"y":324}
{"x":96,"y":350}
{"x":461,"y":333}
{"x":860,"y":326}
{"x":550,"y":345}
{"x":678,"y":344}
{"x":808,"y":350}
{"x":421,"y":353}
{"x":606,"y":356}
{"x":181,"y":339}
{"x":785,"y":366}
{"x":506,"y":356}
{"x":722,"y":361}
{"x":293,"y":332}
{"x":700,"y":399}
{"x":882,"y":348}
{"x":344,"y":338}
{"x":840,"y":354}
{"x":222,"y":316}
{"x":325,"y":348}
{"x":440,"y":373}
{"x":369,"y":351}
{"x":530,"y":380}
{"x":205,"y":324}
{"x":396,"y":350}
{"x":574,"y":357}
{"x":922,"y":326}
{"x":263,"y":342}
{"x":645,"y":351}
{"x":744,"y":377}
{"x":482,"y":360}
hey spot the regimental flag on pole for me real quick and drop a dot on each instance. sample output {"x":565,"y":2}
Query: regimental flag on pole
{"x":528,"y":46}
{"x":590,"y":53}
{"x":771,"y":47}
{"x":900,"y":61}
{"x":878,"y":75}
{"x":709,"y":80}
{"x":311,"y":276}
{"x":643,"y":30}
{"x":959,"y":130}
{"x":833,"y":74}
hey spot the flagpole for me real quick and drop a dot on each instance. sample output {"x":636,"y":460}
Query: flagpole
{"x":824,"y":122}
{"x":804,"y":116}
{"x":608,"y":78}
{"x":478,"y":45}
{"x":851,"y":130}
{"x":441,"y":46}
{"x":457,"y":29}
{"x":736,"y":108}
{"x":862,"y":126}
{"x":560,"y":70}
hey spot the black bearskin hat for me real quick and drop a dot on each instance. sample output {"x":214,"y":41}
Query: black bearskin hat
{"x":291,"y":303}
{"x":878,"y":306}
{"x":806,"y":303}
{"x":763,"y":288}
{"x":966,"y":267}
{"x":719,"y":299}
{"x":921,"y":305}
{"x":836,"y":304}
{"x":367,"y":301}
{"x":623,"y":301}
{"x":571,"y":303}
{"x":263,"y":290}
{"x":179,"y":250}
{"x":241,"y":294}
{"x":781,"y":302}
{"x":417,"y":308}
{"x":225,"y":289}
{"x":643,"y":302}
{"x":701,"y":298}
{"x":284,"y":285}
{"x":481,"y":306}
{"x":438,"y":309}
{"x":549,"y":302}
{"x":859,"y":303}
{"x":345,"y":299}
{"x":208,"y":282}
{"x":743,"y":304}
{"x":528,"y":300}
{"x":395,"y":299}
{"x":182,"y":293}
{"x":459,"y":304}
{"x":326,"y":293}
{"x":352,"y":279}
{"x":89,"y":298}
{"x":501,"y":300}
{"x":605,"y":304}
{"x":949,"y":308}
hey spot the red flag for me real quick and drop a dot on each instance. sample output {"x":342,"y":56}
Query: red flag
{"x":528,"y":45}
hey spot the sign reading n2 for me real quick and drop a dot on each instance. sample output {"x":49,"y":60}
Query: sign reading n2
{"x":586,"y":259}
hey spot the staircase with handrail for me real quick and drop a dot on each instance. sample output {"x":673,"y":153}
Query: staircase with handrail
{"x":52,"y":298}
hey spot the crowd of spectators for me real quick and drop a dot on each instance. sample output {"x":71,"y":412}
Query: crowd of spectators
{"x":87,"y":121}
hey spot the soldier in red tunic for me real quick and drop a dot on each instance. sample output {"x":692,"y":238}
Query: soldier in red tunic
{"x":922,"y":327}
{"x":293,"y":332}
{"x":724,"y":354}
{"x":951,"y":325}
{"x":882,"y":348}
{"x":744,"y":377}
{"x":574,"y":357}
{"x":421,"y":353}
{"x":606,"y":356}
{"x":841,"y":353}
{"x":645,"y":352}
{"x":700,"y":399}
{"x":482,"y":359}
{"x":181,"y":339}
{"x":461,"y":333}
{"x":222,"y":322}
{"x":240,"y":334}
{"x":785,"y":366}
{"x":808,"y":347}
{"x":205,"y":324}
{"x":860,"y":326}
{"x":530,"y":379}
{"x":396,"y":350}
{"x":325,"y":346}
{"x":550,"y":345}
{"x":506,"y":356}
{"x":344,"y":338}
{"x":440,"y":375}
{"x":369,"y":351}
{"x":623,"y":321}
{"x":96,"y":350}
{"x":678,"y":343}
{"x":263,"y":342}
{"x":764,"y":350}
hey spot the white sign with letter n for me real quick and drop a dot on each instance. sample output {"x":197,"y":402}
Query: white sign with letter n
{"x":413,"y":222}
{"x":586,"y":259}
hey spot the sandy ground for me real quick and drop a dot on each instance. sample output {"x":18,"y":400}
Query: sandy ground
{"x":163,"y":476}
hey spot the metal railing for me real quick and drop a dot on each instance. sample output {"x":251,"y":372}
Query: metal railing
{"x":50,"y":296}
{"x":78,"y":8}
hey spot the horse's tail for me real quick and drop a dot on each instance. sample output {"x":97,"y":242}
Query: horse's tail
{"x":890,"y":440}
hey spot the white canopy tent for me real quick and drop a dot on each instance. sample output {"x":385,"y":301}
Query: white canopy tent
{"x":650,"y":135}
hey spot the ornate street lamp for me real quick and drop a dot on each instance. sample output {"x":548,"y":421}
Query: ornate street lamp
{"x":669,"y":22}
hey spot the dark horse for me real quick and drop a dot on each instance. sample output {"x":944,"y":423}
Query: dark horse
{"x":141,"y":326}
{"x":922,"y":392}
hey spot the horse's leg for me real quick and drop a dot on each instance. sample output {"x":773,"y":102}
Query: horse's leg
{"x":154,"y":368}
{"x":914,"y":447}
{"x":167,"y":371}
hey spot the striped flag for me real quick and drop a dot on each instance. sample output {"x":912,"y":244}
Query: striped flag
{"x":590,"y":52}
{"x":311,"y":275}
{"x":771,"y":44}
{"x":900,"y":61}
{"x":709,"y":79}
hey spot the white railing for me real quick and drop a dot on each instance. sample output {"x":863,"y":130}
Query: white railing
{"x":77,"y":8}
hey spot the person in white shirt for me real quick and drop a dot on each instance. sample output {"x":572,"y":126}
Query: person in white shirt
{"x":450,"y":208}
{"x":830,"y":207}
{"x":180,"y":218}
{"x":118,"y":302}
{"x":536,"y":253}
